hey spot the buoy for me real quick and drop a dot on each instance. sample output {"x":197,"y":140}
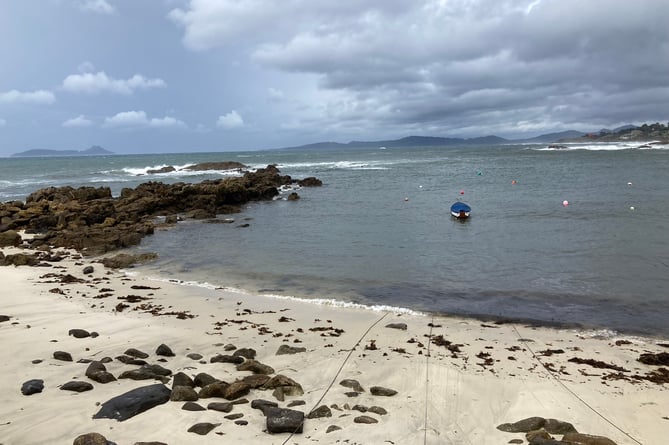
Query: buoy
{"x":406,"y":198}
{"x":631,"y":207}
{"x":513,"y":182}
{"x":565,"y":203}
{"x":462,"y":192}
{"x":479,"y":173}
{"x":420,"y":186}
{"x":629,"y":183}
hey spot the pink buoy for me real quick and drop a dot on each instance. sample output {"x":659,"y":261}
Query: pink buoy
{"x":462,"y":192}
{"x":565,"y":203}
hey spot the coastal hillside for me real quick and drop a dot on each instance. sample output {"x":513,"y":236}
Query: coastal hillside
{"x":95,"y":150}
{"x":644,"y":133}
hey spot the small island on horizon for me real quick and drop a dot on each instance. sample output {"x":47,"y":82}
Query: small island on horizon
{"x":94,"y":150}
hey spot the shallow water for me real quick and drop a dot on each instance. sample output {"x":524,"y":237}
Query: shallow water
{"x":379,"y":230}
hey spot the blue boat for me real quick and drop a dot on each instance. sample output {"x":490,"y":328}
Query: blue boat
{"x":460,"y":210}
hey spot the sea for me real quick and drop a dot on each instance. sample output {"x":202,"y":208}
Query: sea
{"x":573,"y":236}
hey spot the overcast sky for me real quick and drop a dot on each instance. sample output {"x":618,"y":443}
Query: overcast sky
{"x":213,"y":75}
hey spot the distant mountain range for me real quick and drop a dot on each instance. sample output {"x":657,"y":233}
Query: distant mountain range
{"x":95,"y":150}
{"x":431,"y":141}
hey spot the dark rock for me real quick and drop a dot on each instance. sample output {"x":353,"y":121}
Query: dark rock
{"x":133,"y":402}
{"x":192,"y":406}
{"x":263,"y":405}
{"x":523,"y":426}
{"x":255,"y":367}
{"x":361,"y":408}
{"x":88,"y":270}
{"x":79,"y":333}
{"x":293,"y":197}
{"x":149,"y":443}
{"x":202,"y":428}
{"x":332,"y":428}
{"x":256,"y":380}
{"x":147,"y":372}
{"x":296,"y":403}
{"x":236,"y":390}
{"x":247,"y":353}
{"x":381,"y":391}
{"x":587,"y":439}
{"x":401,"y":326}
{"x":660,"y":359}
{"x":310,"y":182}
{"x":194,"y":356}
{"x":97,"y":371}
{"x":164,"y":351}
{"x":241,"y":422}
{"x":10,"y":238}
{"x":77,"y":386}
{"x":92,"y":439}
{"x":19,"y":259}
{"x":131,"y":360}
{"x":285,"y":349}
{"x":365,"y":419}
{"x":33,"y":386}
{"x":5,"y":318}
{"x":353,"y":384}
{"x":203,"y":379}
{"x":227,"y":359}
{"x":224,"y":165}
{"x":234,"y":416}
{"x":62,"y":355}
{"x":166,"y":169}
{"x":283,"y":386}
{"x":124,"y":260}
{"x":182,"y":379}
{"x":216,"y":389}
{"x":281,"y":420}
{"x":555,"y":426}
{"x":378,"y":410}
{"x":183,"y":394}
{"x":132,"y":352}
{"x":224,"y":407}
{"x":321,"y":411}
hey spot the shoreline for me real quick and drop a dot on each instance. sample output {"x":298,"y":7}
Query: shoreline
{"x":457,"y":379}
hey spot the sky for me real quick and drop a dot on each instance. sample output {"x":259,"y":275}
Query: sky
{"x":160,"y":76}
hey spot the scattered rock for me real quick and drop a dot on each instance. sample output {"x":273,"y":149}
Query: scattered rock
{"x":401,"y":326}
{"x":77,"y":386}
{"x":79,"y":333}
{"x":321,"y":411}
{"x":353,"y":384}
{"x":194,"y":356}
{"x":88,"y":270}
{"x":182,"y":379}
{"x":97,"y":371}
{"x":216,"y":389}
{"x":247,"y":353}
{"x":365,"y":419}
{"x":227,"y":359}
{"x":202,"y":428}
{"x":33,"y":386}
{"x":133,"y":402}
{"x":63,"y":356}
{"x":10,"y":238}
{"x":555,"y":426}
{"x":256,"y":380}
{"x":92,"y":439}
{"x":192,"y":406}
{"x":587,"y":439}
{"x":332,"y":428}
{"x":224,"y":407}
{"x":203,"y":379}
{"x":282,"y":420}
{"x":132,"y":352}
{"x":255,"y":367}
{"x":263,"y":405}
{"x":164,"y":351}
{"x":183,"y":394}
{"x":378,"y":410}
{"x":124,"y":260}
{"x":660,"y":359}
{"x":523,"y":426}
{"x":381,"y":391}
{"x":286,"y":349}
{"x":236,"y":390}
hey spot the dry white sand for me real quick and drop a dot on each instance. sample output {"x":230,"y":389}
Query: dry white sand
{"x":442,"y":396}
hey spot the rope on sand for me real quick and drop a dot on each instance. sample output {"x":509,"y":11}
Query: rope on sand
{"x":427,"y":378}
{"x":561,"y":383}
{"x":334,"y":379}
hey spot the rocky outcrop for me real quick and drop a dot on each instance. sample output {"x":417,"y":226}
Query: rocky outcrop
{"x":90,"y":220}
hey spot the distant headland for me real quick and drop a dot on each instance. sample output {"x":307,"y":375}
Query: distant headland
{"x":95,"y":150}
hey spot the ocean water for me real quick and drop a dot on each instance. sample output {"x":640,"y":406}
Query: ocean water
{"x":379,"y":232}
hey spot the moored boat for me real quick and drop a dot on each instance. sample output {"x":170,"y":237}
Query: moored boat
{"x":460,"y":210}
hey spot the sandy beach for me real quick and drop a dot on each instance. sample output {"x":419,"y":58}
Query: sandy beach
{"x":456,"y":380}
